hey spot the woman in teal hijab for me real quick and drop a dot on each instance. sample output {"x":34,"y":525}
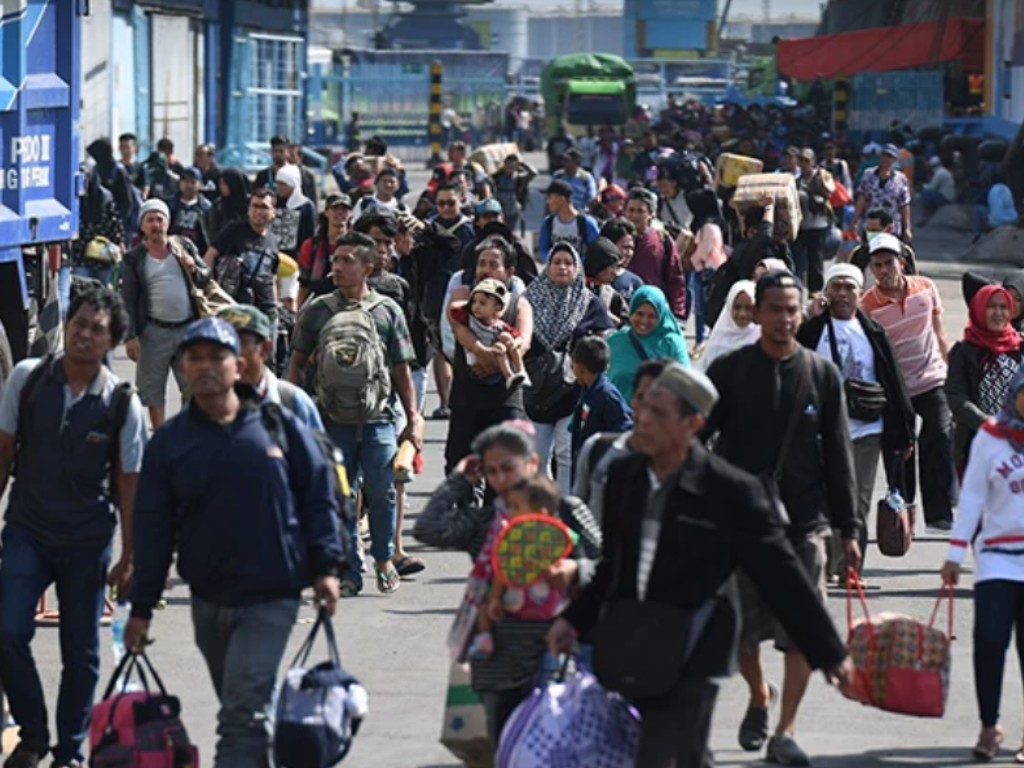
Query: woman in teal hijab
{"x":652,"y":332}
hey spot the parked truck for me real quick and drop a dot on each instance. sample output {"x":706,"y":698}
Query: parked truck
{"x":582,"y":90}
{"x":39,"y":168}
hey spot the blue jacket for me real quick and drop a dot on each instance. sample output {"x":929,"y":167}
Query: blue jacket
{"x":601,"y":408}
{"x":223,"y":495}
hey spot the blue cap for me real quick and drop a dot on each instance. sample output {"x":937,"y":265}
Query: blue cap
{"x":191,"y":172}
{"x":214,"y":330}
{"x":490,"y":205}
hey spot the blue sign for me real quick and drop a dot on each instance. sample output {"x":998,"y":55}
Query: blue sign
{"x":677,"y":10}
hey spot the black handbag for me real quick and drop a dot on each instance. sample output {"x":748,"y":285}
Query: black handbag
{"x":551,"y":379}
{"x":865,"y":400}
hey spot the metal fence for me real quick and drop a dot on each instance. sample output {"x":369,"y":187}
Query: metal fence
{"x":905,"y":96}
{"x":266,"y":92}
{"x":390,"y":90}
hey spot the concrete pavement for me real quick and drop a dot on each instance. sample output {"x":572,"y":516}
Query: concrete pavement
{"x":395,"y":644}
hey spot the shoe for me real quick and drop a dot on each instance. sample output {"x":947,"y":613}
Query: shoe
{"x":407,"y":565}
{"x":516,"y":380}
{"x":785,"y":751}
{"x":441,"y":414}
{"x":388,"y":580}
{"x":23,"y":757}
{"x":754,"y":728}
{"x":939,"y":527}
{"x":348,"y":588}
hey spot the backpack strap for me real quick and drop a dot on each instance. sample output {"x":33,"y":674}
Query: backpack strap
{"x":600,"y":448}
{"x":288,"y":393}
{"x":30,"y":393}
{"x":637,"y":346}
{"x":581,"y":230}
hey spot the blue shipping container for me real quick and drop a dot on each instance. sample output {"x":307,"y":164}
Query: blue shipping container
{"x":39,"y":101}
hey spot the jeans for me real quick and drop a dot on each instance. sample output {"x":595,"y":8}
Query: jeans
{"x":369,"y":459}
{"x":27,"y":569}
{"x":807,"y":254}
{"x":498,"y":706}
{"x":998,"y":609}
{"x":698,"y":279}
{"x":243,"y":647}
{"x":934,"y":455}
{"x":675,"y":735}
{"x":932,"y":200}
{"x":64,"y":290}
{"x":979,"y":219}
{"x":556,"y":435}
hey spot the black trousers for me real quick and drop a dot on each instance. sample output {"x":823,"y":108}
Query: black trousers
{"x":933,"y":455}
{"x":807,"y":253}
{"x":466,"y":423}
{"x":674,"y":734}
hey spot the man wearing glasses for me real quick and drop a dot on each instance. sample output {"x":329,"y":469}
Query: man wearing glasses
{"x":450,"y":217}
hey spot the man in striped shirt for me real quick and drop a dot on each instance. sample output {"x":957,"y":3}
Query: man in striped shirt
{"x":910,"y":310}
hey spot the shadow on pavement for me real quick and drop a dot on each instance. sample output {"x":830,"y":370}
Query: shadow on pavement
{"x":947,"y":757}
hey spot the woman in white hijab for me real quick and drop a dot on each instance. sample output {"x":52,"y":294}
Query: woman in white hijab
{"x":735,"y":327}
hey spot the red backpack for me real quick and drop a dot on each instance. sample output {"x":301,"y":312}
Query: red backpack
{"x":139,"y":729}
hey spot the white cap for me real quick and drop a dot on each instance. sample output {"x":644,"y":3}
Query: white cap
{"x":157,"y":205}
{"x":846,"y":271}
{"x":885,"y":242}
{"x":290,"y":175}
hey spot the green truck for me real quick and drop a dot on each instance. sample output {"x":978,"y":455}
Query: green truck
{"x":581,"y":90}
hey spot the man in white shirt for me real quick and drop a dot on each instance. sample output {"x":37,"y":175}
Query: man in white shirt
{"x":940,"y":191}
{"x":385,"y":197}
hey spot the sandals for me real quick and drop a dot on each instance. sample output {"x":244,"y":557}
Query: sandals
{"x":347,"y":588}
{"x":388,"y":579}
{"x":407,"y":565}
{"x":988,"y":749}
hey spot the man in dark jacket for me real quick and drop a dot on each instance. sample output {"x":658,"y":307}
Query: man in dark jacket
{"x":781,"y":415}
{"x":716,"y":518}
{"x":863,"y":352}
{"x":254,"y":520}
{"x":876,"y":222}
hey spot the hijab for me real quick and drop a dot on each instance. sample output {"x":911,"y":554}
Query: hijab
{"x":558,"y":309}
{"x":237,"y":205}
{"x":667,"y":324}
{"x":726,"y":335}
{"x":289,"y":174}
{"x":1008,"y":421}
{"x":1016,"y":281}
{"x":999,"y":342}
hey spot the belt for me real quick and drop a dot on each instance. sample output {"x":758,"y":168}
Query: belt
{"x":167,"y":325}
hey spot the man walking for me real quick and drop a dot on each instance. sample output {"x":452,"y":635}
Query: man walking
{"x":781,"y":415}
{"x":189,"y":209}
{"x":861,"y":350}
{"x":360,"y":346}
{"x":886,"y":187}
{"x":156,"y":293}
{"x":584,"y":188}
{"x":717,"y":518}
{"x":655,"y":258}
{"x":815,"y":222}
{"x":267,"y":178}
{"x":910,"y":310}
{"x":564,"y":222}
{"x":77,"y":436}
{"x":254,"y":522}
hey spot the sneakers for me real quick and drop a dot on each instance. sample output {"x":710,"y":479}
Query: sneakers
{"x":785,"y":751}
{"x":939,"y":527}
{"x":441,"y":414}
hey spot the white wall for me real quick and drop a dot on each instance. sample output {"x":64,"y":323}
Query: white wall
{"x":96,"y":114}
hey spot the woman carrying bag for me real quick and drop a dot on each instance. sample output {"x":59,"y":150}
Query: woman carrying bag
{"x":991,"y":521}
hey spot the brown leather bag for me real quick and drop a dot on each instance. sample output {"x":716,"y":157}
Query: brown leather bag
{"x":894,"y":528}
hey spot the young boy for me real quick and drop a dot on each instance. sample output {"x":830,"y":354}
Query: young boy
{"x":601,"y":407}
{"x":482,"y":313}
{"x":537,"y":602}
{"x":623,"y":234}
{"x":600,"y":267}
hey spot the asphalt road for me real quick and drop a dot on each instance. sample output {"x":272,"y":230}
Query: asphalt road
{"x":395,"y":644}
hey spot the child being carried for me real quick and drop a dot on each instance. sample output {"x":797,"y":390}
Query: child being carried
{"x":482,"y":313}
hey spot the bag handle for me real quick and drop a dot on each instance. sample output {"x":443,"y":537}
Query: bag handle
{"x":637,"y":346}
{"x":322,"y":619}
{"x":833,"y":345}
{"x":945,"y":591}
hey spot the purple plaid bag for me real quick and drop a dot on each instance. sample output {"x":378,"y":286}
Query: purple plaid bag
{"x":572,"y":723}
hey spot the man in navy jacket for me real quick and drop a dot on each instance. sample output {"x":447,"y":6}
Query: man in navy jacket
{"x":253,"y":526}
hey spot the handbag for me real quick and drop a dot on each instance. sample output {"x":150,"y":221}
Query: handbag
{"x":900,"y":664}
{"x":865,"y":400}
{"x":206,"y":301}
{"x":571,"y":722}
{"x":551,"y":379}
{"x":143,"y":728}
{"x":319,"y":709}
{"x":895,"y":519}
{"x":464,"y":728}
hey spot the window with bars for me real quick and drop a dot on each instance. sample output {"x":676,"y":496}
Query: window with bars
{"x":275,"y":87}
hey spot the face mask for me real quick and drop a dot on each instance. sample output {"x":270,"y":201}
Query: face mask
{"x":872,"y":235}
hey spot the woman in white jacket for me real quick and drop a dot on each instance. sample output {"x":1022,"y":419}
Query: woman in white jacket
{"x":991,"y":521}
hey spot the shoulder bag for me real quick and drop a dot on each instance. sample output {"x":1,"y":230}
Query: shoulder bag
{"x":206,"y":301}
{"x":865,"y":400}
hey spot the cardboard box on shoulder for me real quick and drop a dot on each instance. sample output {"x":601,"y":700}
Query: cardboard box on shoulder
{"x":729,"y":168}
{"x":752,"y":188}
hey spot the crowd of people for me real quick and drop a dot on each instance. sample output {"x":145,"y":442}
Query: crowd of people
{"x":569,"y":389}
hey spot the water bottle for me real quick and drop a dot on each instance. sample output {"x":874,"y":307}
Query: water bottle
{"x":118,"y":621}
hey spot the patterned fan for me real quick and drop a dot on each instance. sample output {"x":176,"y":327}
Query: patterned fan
{"x":528,"y":546}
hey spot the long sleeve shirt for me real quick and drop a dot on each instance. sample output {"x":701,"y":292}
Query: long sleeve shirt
{"x":653,"y":247}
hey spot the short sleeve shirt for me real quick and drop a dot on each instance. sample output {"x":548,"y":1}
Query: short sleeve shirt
{"x":391,"y":325}
{"x":909,"y":324}
{"x":892,"y":194}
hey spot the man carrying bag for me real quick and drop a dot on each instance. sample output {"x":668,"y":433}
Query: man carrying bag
{"x":661,"y":618}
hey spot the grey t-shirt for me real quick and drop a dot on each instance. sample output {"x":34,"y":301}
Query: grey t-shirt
{"x":167,"y":289}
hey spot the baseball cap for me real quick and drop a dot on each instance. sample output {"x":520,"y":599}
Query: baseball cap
{"x":689,"y":385}
{"x":214,"y":330}
{"x":807,"y":154}
{"x":776,"y":278}
{"x":484,"y":207}
{"x":246,"y":317}
{"x":492,"y":287}
{"x":339,"y":199}
{"x":191,"y":172}
{"x":885,"y":242}
{"x":613,"y":192}
{"x":573,"y":154}
{"x":559,"y":187}
{"x":891,"y":150}
{"x":387,"y":170}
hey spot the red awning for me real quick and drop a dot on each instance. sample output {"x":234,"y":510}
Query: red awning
{"x":883,"y":49}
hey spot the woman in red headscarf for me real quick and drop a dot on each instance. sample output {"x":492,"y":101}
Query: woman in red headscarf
{"x":982,"y":365}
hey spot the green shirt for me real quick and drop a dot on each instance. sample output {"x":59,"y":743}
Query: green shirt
{"x":391,"y":325}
